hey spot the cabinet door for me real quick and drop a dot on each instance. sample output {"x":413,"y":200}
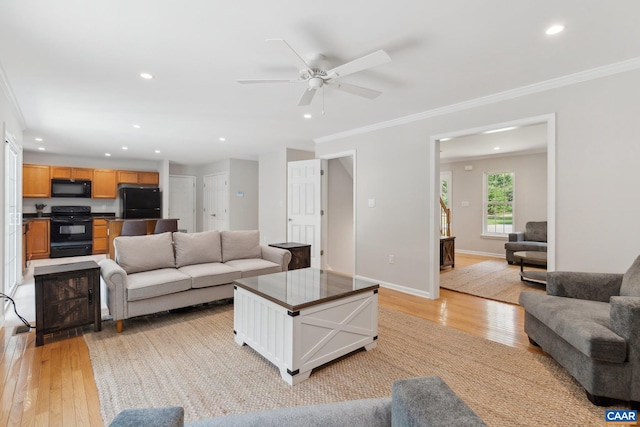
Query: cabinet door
{"x":61,"y":172}
{"x":104,"y":184}
{"x":38,"y":239}
{"x":99,"y":236}
{"x":82,"y":173}
{"x":36,"y":181}
{"x":127,"y":177}
{"x":148,"y":178}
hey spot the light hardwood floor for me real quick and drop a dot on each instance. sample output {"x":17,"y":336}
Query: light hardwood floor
{"x":53,"y":385}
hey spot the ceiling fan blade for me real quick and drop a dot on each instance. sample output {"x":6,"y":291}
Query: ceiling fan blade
{"x":356,"y":90}
{"x":307,"y":97}
{"x":288,"y":51}
{"x":372,"y":60}
{"x":252,"y":81}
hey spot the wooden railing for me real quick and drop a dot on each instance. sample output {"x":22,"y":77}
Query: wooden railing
{"x":445,"y":219}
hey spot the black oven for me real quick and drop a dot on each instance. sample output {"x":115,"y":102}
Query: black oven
{"x":70,"y":188}
{"x":71,"y":231}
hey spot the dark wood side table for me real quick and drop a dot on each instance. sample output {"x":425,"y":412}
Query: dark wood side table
{"x":447,"y":251}
{"x":67,"y":296}
{"x":300,"y":254}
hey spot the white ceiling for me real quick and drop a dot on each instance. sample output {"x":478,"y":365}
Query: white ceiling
{"x":73,"y":66}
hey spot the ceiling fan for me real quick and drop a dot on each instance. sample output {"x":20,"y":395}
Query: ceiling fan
{"x":316,"y":78}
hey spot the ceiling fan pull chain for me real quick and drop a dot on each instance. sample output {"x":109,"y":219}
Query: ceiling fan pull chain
{"x":323,"y":100}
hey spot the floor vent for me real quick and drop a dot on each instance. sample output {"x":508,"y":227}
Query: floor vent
{"x":22,"y":329}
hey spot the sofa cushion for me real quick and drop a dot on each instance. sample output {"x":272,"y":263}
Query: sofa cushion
{"x":583,"y":324}
{"x":526,"y":246}
{"x":254,"y":267}
{"x":149,"y":284}
{"x":144,"y":253}
{"x":210,"y":274}
{"x":240,"y":245}
{"x":197,"y":248}
{"x":630,"y":286}
{"x":536,"y":231}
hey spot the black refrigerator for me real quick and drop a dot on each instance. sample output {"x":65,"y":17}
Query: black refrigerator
{"x":140,"y":202}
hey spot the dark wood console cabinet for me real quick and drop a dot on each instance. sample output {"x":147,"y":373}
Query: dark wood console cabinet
{"x":67,"y":296}
{"x":300,"y":254}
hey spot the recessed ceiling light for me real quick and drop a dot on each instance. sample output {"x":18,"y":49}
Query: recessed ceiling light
{"x":222,"y":139}
{"x":157,"y":151}
{"x":136,"y":126}
{"x":500,"y":130}
{"x":496,"y":148}
{"x":125,"y":148}
{"x":146,"y":76}
{"x":38,"y":139}
{"x":107,"y":154}
{"x":307,"y":116}
{"x":41,"y":148}
{"x":554,"y":29}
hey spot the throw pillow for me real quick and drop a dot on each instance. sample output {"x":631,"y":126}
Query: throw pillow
{"x":197,"y":248}
{"x":144,"y":253}
{"x":631,"y":280}
{"x":240,"y":245}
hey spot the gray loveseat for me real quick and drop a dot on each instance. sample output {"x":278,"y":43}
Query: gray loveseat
{"x":426,"y":401}
{"x":590,"y":324}
{"x":160,"y":272}
{"x":533,"y":238}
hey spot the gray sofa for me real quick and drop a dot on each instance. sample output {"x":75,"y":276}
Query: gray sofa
{"x":426,"y":401}
{"x":533,"y":238}
{"x":590,"y":324}
{"x":160,"y":272}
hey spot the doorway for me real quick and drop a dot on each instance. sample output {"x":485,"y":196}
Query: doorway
{"x":216,"y":202}
{"x":13,"y":219}
{"x":435,"y":184}
{"x":182,"y":201}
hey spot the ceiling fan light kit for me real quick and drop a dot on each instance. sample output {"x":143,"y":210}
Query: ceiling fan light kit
{"x":317,"y":78}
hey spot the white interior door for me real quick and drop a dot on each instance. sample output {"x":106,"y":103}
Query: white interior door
{"x":13,"y":221}
{"x":182,"y":201}
{"x":304,"y":208}
{"x":216,"y":202}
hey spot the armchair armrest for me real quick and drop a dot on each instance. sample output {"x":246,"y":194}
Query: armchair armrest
{"x":277,"y":255}
{"x":518,"y":236}
{"x":587,"y":286}
{"x":115,"y":278}
{"x":625,"y":321}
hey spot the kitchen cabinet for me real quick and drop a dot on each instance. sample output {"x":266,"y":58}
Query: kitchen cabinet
{"x":38,"y":239}
{"x":100,"y":236}
{"x":137,"y":177}
{"x":65,"y":172}
{"x":104,"y":185}
{"x":36,"y":181}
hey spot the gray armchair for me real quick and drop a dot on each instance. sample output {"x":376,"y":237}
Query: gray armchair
{"x":590,"y":324}
{"x":533,"y":238}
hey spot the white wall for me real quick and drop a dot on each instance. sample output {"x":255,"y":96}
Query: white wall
{"x":597,"y":157}
{"x":243,"y":195}
{"x":340,"y":255}
{"x":530,"y":201}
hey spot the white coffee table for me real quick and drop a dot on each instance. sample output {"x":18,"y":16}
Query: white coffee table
{"x":302,"y":319}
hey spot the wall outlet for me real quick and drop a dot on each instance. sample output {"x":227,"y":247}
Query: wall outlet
{"x":392,"y":259}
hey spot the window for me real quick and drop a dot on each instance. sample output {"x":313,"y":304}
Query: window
{"x":498,"y":211}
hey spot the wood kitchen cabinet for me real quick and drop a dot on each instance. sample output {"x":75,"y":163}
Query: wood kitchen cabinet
{"x":100,"y":240}
{"x":104,"y":185}
{"x":38,"y":239}
{"x":134,"y":177}
{"x":36,"y":181}
{"x":65,"y":172}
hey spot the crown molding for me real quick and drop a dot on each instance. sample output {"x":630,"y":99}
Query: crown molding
{"x":571,"y":79}
{"x":13,"y":103}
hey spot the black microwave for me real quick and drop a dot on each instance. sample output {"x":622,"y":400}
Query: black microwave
{"x":70,"y":188}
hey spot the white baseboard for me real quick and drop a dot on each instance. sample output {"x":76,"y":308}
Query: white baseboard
{"x":462,"y":251}
{"x":398,"y":288}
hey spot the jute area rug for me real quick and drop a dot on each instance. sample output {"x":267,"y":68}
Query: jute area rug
{"x":191,"y":360}
{"x":495,"y":280}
